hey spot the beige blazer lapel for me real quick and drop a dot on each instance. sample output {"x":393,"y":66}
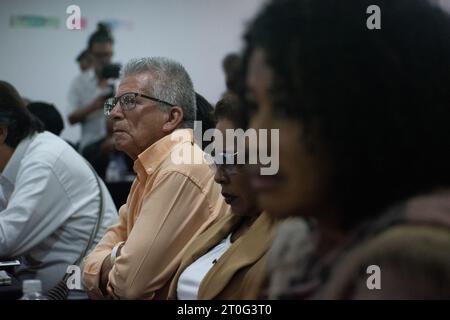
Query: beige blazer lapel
{"x":202,"y":244}
{"x":211,"y":237}
{"x":245,"y":251}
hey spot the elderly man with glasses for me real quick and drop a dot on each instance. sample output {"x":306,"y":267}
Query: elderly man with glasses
{"x":169,"y":203}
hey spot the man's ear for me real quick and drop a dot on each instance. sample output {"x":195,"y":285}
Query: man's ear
{"x":3,"y":134}
{"x":174,"y":120}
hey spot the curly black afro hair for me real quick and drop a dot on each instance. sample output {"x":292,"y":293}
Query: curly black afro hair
{"x":380,"y":98}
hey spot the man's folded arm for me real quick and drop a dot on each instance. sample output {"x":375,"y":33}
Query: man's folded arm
{"x":174,"y":210}
{"x":92,"y":271}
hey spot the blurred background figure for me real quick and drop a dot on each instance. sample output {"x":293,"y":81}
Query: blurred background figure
{"x":84,"y":60}
{"x":49,"y":115}
{"x":231,"y":66}
{"x":112,"y":165}
{"x":205,"y":114}
{"x":91,"y":88}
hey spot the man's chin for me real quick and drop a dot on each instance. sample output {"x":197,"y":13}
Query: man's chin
{"x":119,"y":146}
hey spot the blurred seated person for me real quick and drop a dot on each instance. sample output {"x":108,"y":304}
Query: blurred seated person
{"x":48,"y":114}
{"x":228,"y":260}
{"x":112,"y":165}
{"x":50,"y":117}
{"x":205,"y":114}
{"x":50,"y":199}
{"x":231,"y":66}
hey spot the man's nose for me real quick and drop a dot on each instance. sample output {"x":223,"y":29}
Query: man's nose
{"x":116,"y":111}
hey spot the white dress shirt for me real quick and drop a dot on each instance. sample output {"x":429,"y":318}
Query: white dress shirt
{"x":83,"y":90}
{"x":49,"y":204}
{"x":191,"y":278}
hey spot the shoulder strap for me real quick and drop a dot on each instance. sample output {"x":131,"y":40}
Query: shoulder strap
{"x":99,"y":217}
{"x":60,"y":291}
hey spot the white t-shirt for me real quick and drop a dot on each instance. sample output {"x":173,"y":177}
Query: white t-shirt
{"x":83,"y":91}
{"x":191,"y":278}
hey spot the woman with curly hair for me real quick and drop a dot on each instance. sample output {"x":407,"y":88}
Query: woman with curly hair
{"x":364,"y":144}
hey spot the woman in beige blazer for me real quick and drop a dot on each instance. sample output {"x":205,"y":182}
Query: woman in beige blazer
{"x":228,"y":261}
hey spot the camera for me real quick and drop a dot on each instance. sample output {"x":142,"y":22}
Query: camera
{"x":110,"y":71}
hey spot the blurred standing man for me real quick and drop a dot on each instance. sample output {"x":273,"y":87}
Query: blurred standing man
{"x":89,"y":90}
{"x":169,"y":203}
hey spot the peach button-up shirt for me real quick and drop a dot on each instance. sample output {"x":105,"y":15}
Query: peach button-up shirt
{"x":169,"y":204}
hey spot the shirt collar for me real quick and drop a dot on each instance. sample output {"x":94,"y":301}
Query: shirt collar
{"x":12,"y":167}
{"x":151,"y":158}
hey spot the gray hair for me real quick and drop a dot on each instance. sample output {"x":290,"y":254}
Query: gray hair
{"x":170,"y":82}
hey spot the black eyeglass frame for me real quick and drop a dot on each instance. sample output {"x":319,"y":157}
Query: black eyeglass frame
{"x":111,"y":102}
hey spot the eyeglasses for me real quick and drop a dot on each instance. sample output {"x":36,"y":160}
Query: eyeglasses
{"x":227,"y":162}
{"x":128,"y":102}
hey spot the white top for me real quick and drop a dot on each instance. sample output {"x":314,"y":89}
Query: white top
{"x":191,"y":278}
{"x":83,"y":91}
{"x":49,"y":203}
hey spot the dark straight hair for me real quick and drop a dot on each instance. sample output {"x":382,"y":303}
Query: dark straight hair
{"x":15,"y":116}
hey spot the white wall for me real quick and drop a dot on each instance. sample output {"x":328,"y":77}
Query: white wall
{"x":40,"y":62}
